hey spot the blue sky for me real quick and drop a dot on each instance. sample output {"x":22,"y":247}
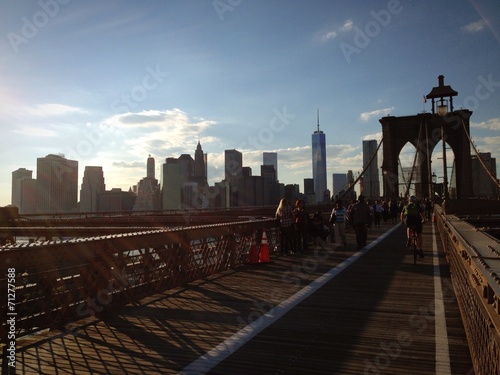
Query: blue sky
{"x":109,"y":82}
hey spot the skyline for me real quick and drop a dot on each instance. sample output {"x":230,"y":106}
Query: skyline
{"x":109,"y":83}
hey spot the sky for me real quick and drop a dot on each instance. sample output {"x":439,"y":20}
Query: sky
{"x":108,"y":83}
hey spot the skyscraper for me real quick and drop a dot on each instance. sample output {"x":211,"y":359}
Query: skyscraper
{"x":150,"y":168}
{"x":200,"y":166}
{"x":18,"y":177}
{"x":319,"y":164}
{"x":483,"y":184}
{"x":233,"y":168}
{"x":148,"y":189}
{"x":171,"y":184}
{"x":233,"y":163}
{"x":339,"y":183}
{"x":271,"y":158}
{"x":57,"y":182}
{"x":184,"y":181}
{"x":371,"y":180}
{"x":92,"y":186}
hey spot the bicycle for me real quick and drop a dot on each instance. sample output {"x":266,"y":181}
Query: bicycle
{"x":413,"y":243}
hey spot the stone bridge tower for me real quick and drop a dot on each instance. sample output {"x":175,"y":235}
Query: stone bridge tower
{"x":424,"y":131}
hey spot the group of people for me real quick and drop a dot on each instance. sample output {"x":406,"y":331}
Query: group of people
{"x":297,"y":227}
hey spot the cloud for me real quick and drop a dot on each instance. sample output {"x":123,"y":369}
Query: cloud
{"x":492,"y":124}
{"x":29,"y":131}
{"x":474,"y":27}
{"x":366,"y":116}
{"x":53,"y":109}
{"x":376,"y":136}
{"x":347,"y":26}
{"x":160,"y":131}
{"x":329,"y":35}
{"x":332,"y":34}
{"x":128,"y":165}
{"x":486,"y":144}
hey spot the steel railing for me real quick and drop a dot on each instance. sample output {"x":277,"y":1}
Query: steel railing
{"x":53,"y":283}
{"x":474,"y":259}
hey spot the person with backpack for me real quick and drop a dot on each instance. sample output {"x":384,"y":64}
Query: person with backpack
{"x":361,"y":216}
{"x":412,"y":215}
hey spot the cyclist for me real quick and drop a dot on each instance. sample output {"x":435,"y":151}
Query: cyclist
{"x":413,"y":216}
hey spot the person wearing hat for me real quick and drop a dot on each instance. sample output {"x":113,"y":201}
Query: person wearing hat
{"x":361,"y":216}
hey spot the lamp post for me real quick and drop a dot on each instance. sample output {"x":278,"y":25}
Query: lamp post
{"x":434,"y":180}
{"x":440,"y":92}
{"x":442,"y":110}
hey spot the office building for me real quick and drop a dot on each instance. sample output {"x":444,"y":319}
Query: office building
{"x":371,"y":179}
{"x":484,"y":175}
{"x":233,"y":171}
{"x":319,"y":164}
{"x":200,"y":166}
{"x":171,"y":182}
{"x":57,"y":182}
{"x":148,"y":189}
{"x":408,"y":179}
{"x":339,"y":183}
{"x":116,"y":200}
{"x":184,"y":182}
{"x":18,"y":177}
{"x":233,"y":163}
{"x":271,"y":158}
{"x":270,"y":183}
{"x":92,"y":186}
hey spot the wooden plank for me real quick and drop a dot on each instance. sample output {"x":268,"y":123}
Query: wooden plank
{"x":375,"y":316}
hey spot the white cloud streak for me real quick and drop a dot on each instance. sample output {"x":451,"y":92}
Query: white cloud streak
{"x":492,"y":124}
{"x":474,"y":27}
{"x":53,"y":109}
{"x":332,"y":34}
{"x":366,"y":116}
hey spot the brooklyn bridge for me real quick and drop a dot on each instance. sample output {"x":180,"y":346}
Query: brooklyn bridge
{"x":209,"y":291}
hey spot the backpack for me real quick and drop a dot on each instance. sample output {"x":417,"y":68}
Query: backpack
{"x":412,"y":211}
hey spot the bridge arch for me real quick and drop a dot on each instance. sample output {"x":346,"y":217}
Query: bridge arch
{"x":424,"y":131}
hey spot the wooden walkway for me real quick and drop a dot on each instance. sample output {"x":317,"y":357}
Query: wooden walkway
{"x":324,"y":312}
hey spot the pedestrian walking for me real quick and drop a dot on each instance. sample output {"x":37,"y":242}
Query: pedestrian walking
{"x":284,"y":215}
{"x":338,"y":219}
{"x":361,"y":217}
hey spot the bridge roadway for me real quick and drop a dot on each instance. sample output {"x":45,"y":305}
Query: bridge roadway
{"x":327,"y":311}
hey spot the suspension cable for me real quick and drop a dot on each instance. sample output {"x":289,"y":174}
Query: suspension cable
{"x":479,"y":157}
{"x":403,"y":177}
{"x":363,"y":171}
{"x":407,"y":187}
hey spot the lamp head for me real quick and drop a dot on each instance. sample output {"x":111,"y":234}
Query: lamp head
{"x":442,"y":110}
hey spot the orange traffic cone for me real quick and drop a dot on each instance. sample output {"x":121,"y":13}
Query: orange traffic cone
{"x":264,"y":248}
{"x":253,"y":254}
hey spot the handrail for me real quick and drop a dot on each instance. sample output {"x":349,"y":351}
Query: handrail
{"x":53,"y":283}
{"x":475,"y":271}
